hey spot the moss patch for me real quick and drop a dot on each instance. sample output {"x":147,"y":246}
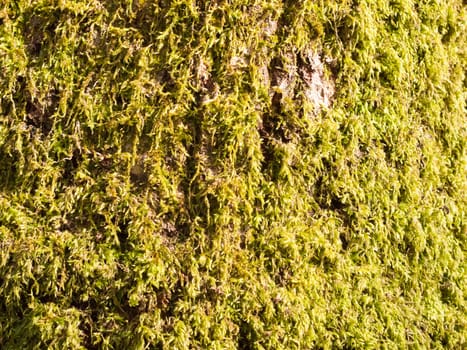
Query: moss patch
{"x":232,"y":174}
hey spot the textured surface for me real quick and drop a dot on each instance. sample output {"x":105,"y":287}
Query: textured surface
{"x":232,"y":174}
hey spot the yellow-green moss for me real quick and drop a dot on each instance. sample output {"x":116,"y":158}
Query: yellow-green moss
{"x":165,"y":183}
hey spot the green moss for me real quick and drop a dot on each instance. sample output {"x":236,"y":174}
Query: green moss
{"x":166,"y":180}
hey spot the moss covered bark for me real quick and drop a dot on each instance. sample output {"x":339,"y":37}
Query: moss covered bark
{"x":232,"y":174}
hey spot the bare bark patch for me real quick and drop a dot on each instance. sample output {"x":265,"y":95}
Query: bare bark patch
{"x":294,"y":74}
{"x":318,"y":89}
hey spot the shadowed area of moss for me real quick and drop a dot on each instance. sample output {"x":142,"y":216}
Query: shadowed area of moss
{"x":232,"y":174}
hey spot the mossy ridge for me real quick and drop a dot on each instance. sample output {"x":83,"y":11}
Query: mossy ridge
{"x":156,"y":194}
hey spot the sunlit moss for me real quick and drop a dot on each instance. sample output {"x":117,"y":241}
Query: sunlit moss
{"x":167,"y":179}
